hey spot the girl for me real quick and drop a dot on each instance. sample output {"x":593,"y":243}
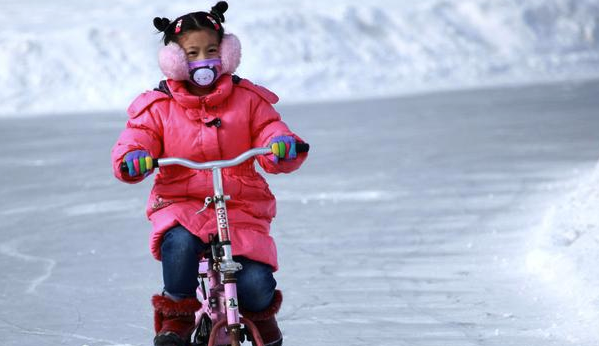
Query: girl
{"x":202,"y":112}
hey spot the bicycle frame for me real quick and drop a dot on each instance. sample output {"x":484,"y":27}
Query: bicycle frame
{"x":220,"y":269}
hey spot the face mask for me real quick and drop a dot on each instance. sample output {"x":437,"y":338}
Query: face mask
{"x":204,"y":73}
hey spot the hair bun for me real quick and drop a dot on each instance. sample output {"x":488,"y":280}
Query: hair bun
{"x":161,"y":23}
{"x":219,"y":9}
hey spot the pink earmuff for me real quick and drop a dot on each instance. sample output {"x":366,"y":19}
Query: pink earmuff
{"x":230,"y":53}
{"x":174,"y":65}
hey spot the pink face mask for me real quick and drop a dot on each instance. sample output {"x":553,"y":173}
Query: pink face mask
{"x":204,"y":73}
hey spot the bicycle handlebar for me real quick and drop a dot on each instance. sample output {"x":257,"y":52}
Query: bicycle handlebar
{"x":300,"y":148}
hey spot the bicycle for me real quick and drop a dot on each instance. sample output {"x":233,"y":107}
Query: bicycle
{"x":218,"y":321}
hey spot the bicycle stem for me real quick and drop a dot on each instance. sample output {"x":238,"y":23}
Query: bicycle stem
{"x":226,"y":264}
{"x":222,"y":223}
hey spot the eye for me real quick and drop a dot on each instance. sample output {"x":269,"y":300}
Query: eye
{"x":213,"y":50}
{"x":191,"y":52}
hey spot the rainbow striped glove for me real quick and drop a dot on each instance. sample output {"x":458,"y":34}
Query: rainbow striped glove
{"x":283,"y":147}
{"x":139,"y":162}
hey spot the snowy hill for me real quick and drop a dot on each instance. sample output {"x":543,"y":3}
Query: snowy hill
{"x":65,"y":56}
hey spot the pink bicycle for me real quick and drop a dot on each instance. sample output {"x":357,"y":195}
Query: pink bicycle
{"x":218,"y":322}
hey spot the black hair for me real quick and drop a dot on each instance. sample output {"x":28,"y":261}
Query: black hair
{"x":193,"y":21}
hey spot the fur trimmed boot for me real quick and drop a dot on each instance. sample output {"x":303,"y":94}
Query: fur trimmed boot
{"x":174,"y":321}
{"x":266,"y":322}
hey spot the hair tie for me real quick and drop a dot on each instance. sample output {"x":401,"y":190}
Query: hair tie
{"x":219,"y":9}
{"x":161,"y":24}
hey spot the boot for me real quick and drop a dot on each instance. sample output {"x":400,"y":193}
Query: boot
{"x":174,"y":321}
{"x":266,"y":323}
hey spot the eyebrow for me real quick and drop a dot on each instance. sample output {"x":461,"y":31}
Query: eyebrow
{"x":209,"y":46}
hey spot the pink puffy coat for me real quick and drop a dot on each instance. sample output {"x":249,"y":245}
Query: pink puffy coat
{"x":176,"y":126}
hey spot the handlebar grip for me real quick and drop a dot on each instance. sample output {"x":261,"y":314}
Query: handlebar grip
{"x":124,"y":168}
{"x":302,"y":147}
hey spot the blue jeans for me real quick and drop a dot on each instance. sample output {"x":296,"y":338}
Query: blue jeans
{"x":181,"y":252}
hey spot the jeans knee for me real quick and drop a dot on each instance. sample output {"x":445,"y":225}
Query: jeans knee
{"x":178,"y":241}
{"x":180,"y":254}
{"x":255,"y":285}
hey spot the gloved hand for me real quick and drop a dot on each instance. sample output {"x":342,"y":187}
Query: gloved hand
{"x":283,"y":147}
{"x":139,"y":162}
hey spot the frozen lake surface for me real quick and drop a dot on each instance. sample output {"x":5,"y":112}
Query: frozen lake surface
{"x":409,"y":224}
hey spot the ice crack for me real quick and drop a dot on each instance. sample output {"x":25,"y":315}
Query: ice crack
{"x":10,"y":249}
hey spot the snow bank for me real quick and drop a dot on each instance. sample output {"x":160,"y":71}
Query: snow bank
{"x":86,"y":56}
{"x":565,"y":251}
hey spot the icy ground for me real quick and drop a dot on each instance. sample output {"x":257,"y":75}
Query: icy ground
{"x":412,"y":223}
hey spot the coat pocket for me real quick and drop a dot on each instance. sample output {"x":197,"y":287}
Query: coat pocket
{"x":170,"y":186}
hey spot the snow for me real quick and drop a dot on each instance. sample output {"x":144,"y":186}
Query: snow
{"x":565,"y":250}
{"x":65,"y":56}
